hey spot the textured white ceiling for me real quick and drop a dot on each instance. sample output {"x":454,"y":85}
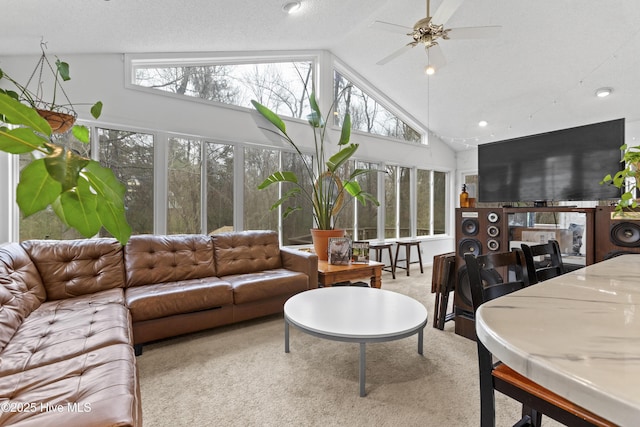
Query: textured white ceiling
{"x":540,"y":74}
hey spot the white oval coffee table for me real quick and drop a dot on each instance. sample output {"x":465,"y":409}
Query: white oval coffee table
{"x":355,"y":314}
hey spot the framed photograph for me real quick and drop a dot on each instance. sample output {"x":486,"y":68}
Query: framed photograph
{"x":339,"y":250}
{"x":360,"y":252}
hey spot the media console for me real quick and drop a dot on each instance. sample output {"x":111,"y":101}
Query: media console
{"x":486,"y":230}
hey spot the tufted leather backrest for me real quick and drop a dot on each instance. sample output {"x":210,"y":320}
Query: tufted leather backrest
{"x":21,"y":290}
{"x":70,"y":268}
{"x":246,"y":252}
{"x":159,"y":259}
{"x":25,"y":282}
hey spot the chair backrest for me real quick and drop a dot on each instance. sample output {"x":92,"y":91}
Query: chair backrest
{"x":496,"y":274}
{"x":551,"y":266}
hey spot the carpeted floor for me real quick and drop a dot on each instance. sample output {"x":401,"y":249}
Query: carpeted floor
{"x":240,"y":376}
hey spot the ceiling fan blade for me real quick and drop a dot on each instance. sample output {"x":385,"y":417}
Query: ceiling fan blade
{"x":394,"y":28}
{"x":436,"y":57}
{"x":474,"y":32}
{"x":445,"y":11}
{"x":395,"y":54}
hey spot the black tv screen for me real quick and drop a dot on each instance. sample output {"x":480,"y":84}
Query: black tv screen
{"x":562,"y":165}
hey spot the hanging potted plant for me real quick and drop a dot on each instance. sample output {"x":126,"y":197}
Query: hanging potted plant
{"x":626,"y":179}
{"x":61,"y":116}
{"x":329,"y":186}
{"x":83,"y":194}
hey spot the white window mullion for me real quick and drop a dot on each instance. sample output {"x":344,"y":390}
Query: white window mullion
{"x":204,"y":179}
{"x":161,"y":179}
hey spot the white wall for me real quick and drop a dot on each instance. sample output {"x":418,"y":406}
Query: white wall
{"x":102,"y":77}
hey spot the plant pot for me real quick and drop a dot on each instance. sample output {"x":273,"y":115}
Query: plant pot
{"x":321,"y":241}
{"x":59,"y":122}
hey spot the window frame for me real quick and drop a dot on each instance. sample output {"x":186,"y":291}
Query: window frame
{"x":214,"y":58}
{"x":382,"y":99}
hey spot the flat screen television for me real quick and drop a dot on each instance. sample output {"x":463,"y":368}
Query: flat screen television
{"x":562,"y":165}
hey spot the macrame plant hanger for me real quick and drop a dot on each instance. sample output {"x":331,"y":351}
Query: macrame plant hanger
{"x":61,"y":117}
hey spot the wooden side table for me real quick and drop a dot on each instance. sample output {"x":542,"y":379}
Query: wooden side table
{"x":329,"y":274}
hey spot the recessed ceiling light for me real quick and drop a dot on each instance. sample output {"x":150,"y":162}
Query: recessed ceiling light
{"x":429,"y":70}
{"x":603,"y":92}
{"x":482,"y":123}
{"x":291,"y":7}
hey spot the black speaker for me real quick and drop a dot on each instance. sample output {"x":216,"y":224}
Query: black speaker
{"x":478,"y":231}
{"x":616,"y":233}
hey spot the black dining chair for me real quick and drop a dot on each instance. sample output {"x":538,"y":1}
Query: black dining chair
{"x":550,"y":266}
{"x":492,"y":276}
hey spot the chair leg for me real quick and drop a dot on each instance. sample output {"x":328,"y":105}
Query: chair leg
{"x":534,"y":417}
{"x":444,"y":303}
{"x":420,"y":257}
{"x":436,"y":310}
{"x":487,"y":397}
{"x":407,"y":250}
{"x":393,"y":265}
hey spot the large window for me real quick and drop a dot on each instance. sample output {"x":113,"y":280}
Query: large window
{"x":431,"y":195}
{"x":367,"y":216}
{"x":258,"y":165}
{"x":197,"y":191}
{"x":220,"y":201}
{"x":130,"y":156}
{"x":296,"y":227}
{"x":367,"y":115}
{"x":184,"y":186}
{"x":277,"y":85}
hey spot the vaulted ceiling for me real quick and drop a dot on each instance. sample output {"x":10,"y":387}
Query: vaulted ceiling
{"x":540,"y":73}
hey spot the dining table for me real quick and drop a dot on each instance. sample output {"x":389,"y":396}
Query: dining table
{"x":578,"y":335}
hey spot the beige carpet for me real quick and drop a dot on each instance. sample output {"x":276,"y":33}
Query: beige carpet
{"x":241,"y":376}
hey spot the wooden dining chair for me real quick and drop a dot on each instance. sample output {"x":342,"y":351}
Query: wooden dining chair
{"x":550,"y":266}
{"x":492,"y":276}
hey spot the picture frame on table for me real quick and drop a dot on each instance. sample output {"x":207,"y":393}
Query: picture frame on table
{"x":339,"y":251}
{"x":360,"y":252}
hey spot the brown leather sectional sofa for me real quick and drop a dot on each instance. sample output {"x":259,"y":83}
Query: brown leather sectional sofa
{"x":72,"y":311}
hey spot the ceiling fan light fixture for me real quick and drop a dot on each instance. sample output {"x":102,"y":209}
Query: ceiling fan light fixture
{"x":603,"y":92}
{"x":291,"y":7}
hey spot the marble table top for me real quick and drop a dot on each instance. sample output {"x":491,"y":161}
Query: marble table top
{"x":577,"y":335}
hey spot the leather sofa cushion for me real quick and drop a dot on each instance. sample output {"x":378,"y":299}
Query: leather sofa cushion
{"x":61,"y":329}
{"x":186,"y":296}
{"x":152,"y":259}
{"x":246,"y":252}
{"x":101,"y":383}
{"x":25,"y":283}
{"x":11,"y":313}
{"x":70,"y":268}
{"x":266,"y":284}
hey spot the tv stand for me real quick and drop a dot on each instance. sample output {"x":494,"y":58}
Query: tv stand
{"x":499,"y":229}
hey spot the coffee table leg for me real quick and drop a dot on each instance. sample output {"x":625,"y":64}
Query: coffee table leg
{"x":362,"y":368}
{"x":420,"y":340}
{"x":286,"y":336}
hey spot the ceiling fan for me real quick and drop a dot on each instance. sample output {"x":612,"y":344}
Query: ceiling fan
{"x":428,"y":30}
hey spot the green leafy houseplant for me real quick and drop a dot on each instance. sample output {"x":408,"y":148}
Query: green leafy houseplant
{"x":627,"y":178}
{"x":82,"y":193}
{"x":328,"y":188}
{"x":61,"y":117}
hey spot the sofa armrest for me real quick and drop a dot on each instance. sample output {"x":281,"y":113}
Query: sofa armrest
{"x":302,"y":262}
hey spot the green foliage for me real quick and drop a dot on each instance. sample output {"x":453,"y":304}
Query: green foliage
{"x":627,"y":178}
{"x":82,"y":193}
{"x":327,"y":193}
